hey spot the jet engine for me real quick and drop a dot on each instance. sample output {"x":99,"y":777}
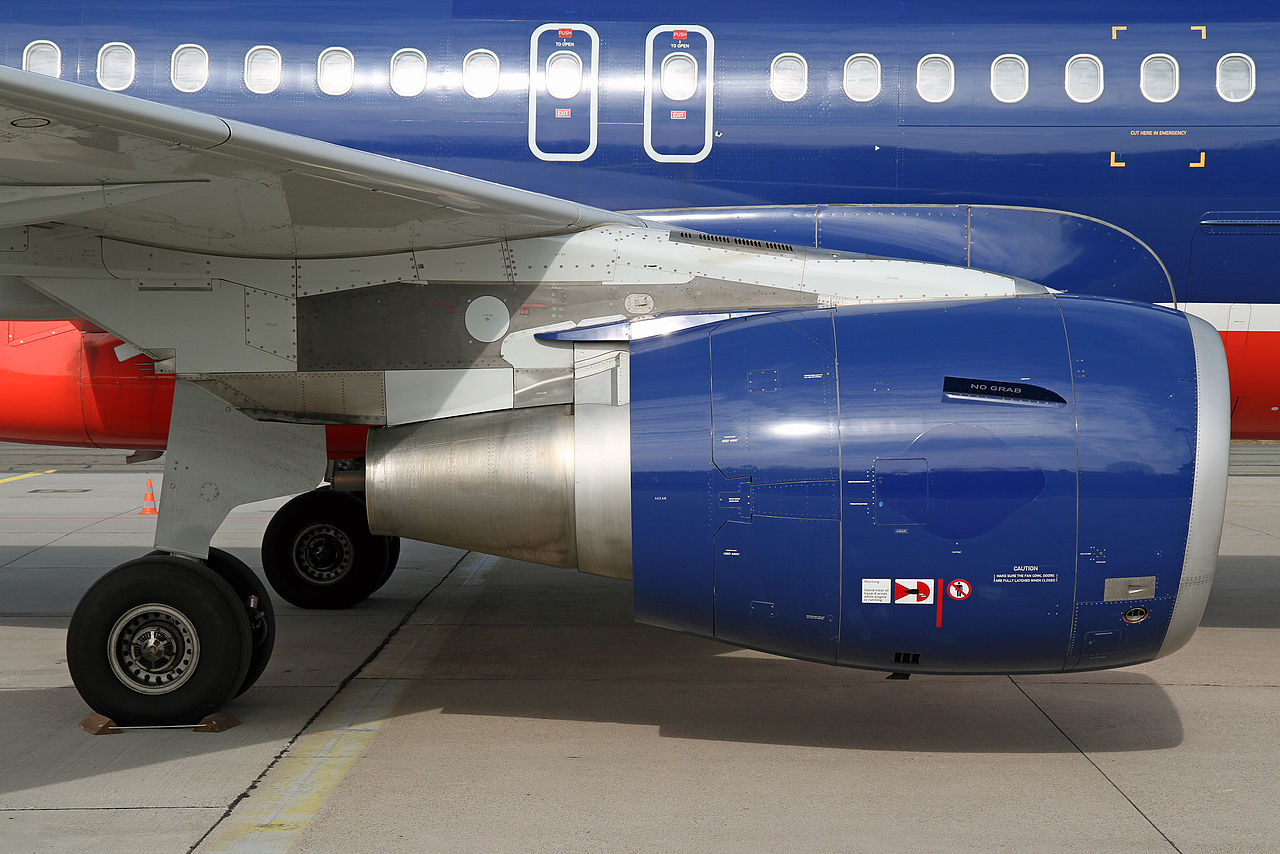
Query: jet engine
{"x":1023,"y":484}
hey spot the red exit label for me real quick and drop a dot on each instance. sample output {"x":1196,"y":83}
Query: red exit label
{"x":563,"y":114}
{"x":564,"y":33}
{"x":680,"y":34}
{"x":677,"y":114}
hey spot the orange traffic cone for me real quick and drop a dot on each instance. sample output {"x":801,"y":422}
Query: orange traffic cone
{"x":150,"y":499}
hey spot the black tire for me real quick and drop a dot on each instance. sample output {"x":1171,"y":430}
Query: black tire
{"x":317,"y":551}
{"x":253,"y":596}
{"x":393,"y":558}
{"x":199,"y":634}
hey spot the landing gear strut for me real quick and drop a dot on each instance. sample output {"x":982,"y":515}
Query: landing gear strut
{"x":318,"y":552}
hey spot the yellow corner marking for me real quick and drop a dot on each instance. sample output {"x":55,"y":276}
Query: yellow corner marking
{"x":1115,"y":162}
{"x":283,"y":803}
{"x":1199,"y":164}
{"x":28,"y":474}
{"x":1115,"y":30}
{"x":1204,"y":31}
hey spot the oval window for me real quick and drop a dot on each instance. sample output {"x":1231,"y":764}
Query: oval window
{"x":679,"y":76}
{"x":862,"y":77}
{"x":1235,"y":77}
{"x":789,"y":77}
{"x":564,"y":74}
{"x":480,"y":73}
{"x":1009,"y":78}
{"x":408,"y":73}
{"x":1084,"y":78}
{"x":189,"y":69}
{"x":1159,"y":78}
{"x":935,"y":78}
{"x":262,"y":70}
{"x":43,"y":58}
{"x":116,"y":64}
{"x":336,"y":71}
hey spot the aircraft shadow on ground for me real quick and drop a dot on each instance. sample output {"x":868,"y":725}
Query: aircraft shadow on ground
{"x":566,"y":650}
{"x":1246,"y":593}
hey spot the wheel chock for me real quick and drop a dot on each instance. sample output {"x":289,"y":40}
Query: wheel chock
{"x":217,"y":722}
{"x":97,"y":724}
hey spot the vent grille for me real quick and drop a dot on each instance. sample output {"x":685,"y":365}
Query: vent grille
{"x":906,"y":658}
{"x":735,"y":241}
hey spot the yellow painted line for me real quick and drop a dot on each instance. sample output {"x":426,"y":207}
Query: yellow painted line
{"x":28,"y":474}
{"x":281,"y":806}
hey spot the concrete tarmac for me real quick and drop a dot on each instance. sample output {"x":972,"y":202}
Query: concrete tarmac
{"x":482,"y":704}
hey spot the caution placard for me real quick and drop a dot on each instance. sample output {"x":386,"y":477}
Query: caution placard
{"x":913,"y":591}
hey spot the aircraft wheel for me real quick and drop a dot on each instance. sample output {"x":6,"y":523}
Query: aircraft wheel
{"x":159,"y":640}
{"x":253,"y":596}
{"x":318,"y":553}
{"x":393,"y":558}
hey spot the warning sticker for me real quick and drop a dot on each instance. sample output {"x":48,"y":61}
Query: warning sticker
{"x":877,"y":591}
{"x":913,"y":591}
{"x":1028,"y":574}
{"x":959,"y":589}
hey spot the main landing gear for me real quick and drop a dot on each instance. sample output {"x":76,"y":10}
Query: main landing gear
{"x":164,"y":639}
{"x":318,"y":552}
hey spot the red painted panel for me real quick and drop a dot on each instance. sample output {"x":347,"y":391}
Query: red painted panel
{"x":64,"y":386}
{"x":1253,"y":359}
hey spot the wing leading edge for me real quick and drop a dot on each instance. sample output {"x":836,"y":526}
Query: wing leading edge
{"x":137,"y":171}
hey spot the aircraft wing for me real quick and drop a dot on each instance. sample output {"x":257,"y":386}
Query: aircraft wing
{"x":153,"y":174}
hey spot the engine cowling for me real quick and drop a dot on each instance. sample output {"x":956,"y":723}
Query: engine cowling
{"x":1028,"y":484}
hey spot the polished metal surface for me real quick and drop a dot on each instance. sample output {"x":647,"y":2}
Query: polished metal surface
{"x":500,"y":483}
{"x":602,"y":494}
{"x":543,"y":484}
{"x":153,"y":649}
{"x":1209,"y":491}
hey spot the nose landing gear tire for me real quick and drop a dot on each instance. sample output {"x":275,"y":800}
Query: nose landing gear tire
{"x":159,"y":640}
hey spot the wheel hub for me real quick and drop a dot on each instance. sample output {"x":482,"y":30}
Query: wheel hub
{"x":153,"y":649}
{"x":323,"y":554}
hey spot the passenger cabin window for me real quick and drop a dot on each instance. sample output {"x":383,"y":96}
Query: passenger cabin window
{"x":336,"y":71}
{"x":679,"y":76}
{"x":1009,"y":78}
{"x":189,"y":69}
{"x":564,"y":74}
{"x":262,"y":70}
{"x":1084,"y":78}
{"x":862,"y":77}
{"x":935,"y":78}
{"x":1159,"y":78}
{"x":409,"y":73}
{"x":789,"y":77}
{"x":116,"y":66}
{"x":1236,"y":77}
{"x":43,"y":58}
{"x":480,"y":73}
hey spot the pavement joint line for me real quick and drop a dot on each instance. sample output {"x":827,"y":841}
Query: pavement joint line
{"x":275,"y":835}
{"x":1247,"y":528}
{"x":61,"y":537}
{"x":1096,"y":766}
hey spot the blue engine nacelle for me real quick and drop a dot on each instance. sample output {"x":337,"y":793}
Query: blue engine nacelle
{"x":1008,"y":485}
